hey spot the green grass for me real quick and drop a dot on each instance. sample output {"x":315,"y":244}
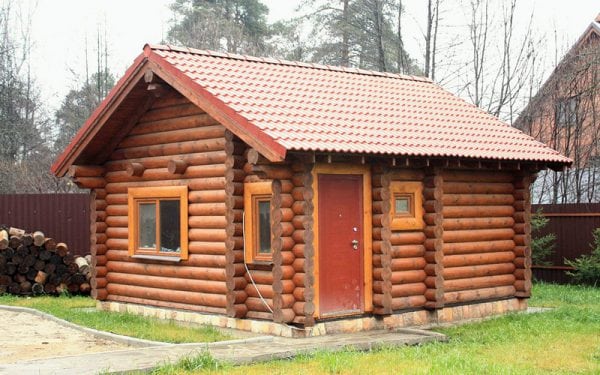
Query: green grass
{"x":81,"y":310}
{"x":565,"y":340}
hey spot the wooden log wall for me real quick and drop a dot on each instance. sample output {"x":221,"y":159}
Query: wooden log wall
{"x":303,"y":239}
{"x":522,"y":238}
{"x":433,"y":204}
{"x":283,"y":255}
{"x":408,"y":256}
{"x":261,"y":274}
{"x":172,"y":129}
{"x":382,"y":248}
{"x":234,"y":244}
{"x":309,"y":249}
{"x":478,"y":235}
{"x":98,"y":243}
{"x":274,"y":281}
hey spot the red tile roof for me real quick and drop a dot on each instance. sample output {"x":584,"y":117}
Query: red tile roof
{"x":308,"y":107}
{"x":279,"y":106}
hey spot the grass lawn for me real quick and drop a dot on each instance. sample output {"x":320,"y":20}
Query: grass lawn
{"x":81,"y":310}
{"x":565,"y":340}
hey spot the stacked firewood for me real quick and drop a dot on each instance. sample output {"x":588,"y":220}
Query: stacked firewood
{"x":31,"y":264}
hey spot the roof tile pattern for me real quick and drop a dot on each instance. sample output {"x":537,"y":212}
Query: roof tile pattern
{"x":307,"y":107}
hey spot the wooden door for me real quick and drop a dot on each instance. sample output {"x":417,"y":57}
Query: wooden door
{"x":341,"y":247}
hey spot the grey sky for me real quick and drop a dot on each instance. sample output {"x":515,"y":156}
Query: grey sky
{"x":60,"y":29}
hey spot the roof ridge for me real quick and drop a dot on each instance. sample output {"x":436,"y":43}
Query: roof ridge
{"x":270,"y":60}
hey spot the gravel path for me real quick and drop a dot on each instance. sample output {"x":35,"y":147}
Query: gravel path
{"x":25,"y":336}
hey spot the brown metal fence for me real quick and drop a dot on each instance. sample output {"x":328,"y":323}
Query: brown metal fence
{"x":573,"y":225}
{"x":64,"y":217}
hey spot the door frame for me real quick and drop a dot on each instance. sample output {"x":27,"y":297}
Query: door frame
{"x":346,"y":169}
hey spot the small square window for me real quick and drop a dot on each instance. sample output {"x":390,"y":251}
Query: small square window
{"x":403,"y":205}
{"x":257,"y":222}
{"x":406,"y":205}
{"x":158,"y":221}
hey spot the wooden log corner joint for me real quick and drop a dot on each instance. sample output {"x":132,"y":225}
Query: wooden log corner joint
{"x":198,"y":206}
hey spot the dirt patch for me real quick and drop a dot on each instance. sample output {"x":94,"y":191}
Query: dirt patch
{"x":26,"y":336}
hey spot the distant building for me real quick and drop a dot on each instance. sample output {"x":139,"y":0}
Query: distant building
{"x":565,"y":114}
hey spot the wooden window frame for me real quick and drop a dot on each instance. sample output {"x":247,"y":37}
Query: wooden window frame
{"x":255,"y":192}
{"x":413,"y":220}
{"x":135,"y":196}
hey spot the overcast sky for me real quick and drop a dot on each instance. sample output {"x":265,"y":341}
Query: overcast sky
{"x":60,"y":29}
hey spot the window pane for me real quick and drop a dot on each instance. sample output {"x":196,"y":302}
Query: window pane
{"x":147,"y":225}
{"x":402,"y":205}
{"x":170,"y":226}
{"x":264,"y":227}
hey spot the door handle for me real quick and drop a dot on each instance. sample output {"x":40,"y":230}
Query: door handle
{"x":355,"y":244}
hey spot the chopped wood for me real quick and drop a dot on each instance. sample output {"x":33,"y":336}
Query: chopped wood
{"x":31,"y":264}
{"x":62,"y":249}
{"x":38,"y":238}
{"x":14,"y":242}
{"x":16,"y":232}
{"x":3,"y":239}
{"x":37,"y":289}
{"x":27,"y":239}
{"x":83,"y":265}
{"x":50,"y":244}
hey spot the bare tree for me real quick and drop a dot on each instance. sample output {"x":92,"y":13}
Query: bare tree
{"x":433,"y":19}
{"x":565,"y":114}
{"x":24,"y":128}
{"x":502,"y":60}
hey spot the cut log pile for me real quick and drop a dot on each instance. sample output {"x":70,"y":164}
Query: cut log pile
{"x":32,"y":264}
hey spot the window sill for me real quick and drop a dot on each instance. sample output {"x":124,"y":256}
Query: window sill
{"x":161,"y":258}
{"x":260,"y":265}
{"x":262,"y":262}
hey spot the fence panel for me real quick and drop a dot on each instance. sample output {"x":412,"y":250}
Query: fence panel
{"x":64,"y":217}
{"x":573,"y":225}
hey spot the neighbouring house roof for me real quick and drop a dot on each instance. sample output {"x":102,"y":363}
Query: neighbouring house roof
{"x":279,"y":106}
{"x":591,"y":33}
{"x":593,"y":28}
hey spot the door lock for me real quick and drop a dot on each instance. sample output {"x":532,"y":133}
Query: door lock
{"x":355,"y":244}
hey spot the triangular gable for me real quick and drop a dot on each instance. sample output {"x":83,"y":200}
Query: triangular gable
{"x":178,"y":81}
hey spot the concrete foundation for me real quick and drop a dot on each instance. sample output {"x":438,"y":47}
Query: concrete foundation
{"x":417,"y":318}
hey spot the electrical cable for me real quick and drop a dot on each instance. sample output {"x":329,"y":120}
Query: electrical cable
{"x":252,"y":279}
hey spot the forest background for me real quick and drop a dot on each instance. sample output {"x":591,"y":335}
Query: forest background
{"x":59,"y":59}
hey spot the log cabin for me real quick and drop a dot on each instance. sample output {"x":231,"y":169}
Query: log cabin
{"x":301,"y":199}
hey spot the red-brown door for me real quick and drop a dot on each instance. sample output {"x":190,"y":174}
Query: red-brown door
{"x":340,"y":245}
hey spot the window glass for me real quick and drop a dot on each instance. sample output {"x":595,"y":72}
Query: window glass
{"x":402,"y":205}
{"x":264,"y":226}
{"x":566,"y":111}
{"x":147,"y":225}
{"x":169,"y":226}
